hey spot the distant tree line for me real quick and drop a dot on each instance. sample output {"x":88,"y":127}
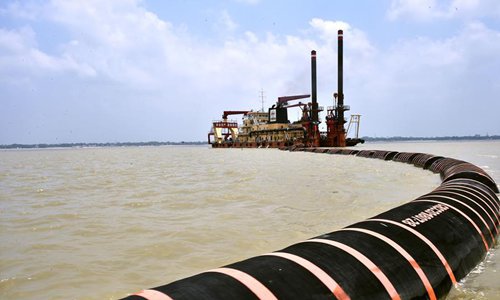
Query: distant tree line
{"x":86,"y":145}
{"x":476,"y":137}
{"x":138,"y":144}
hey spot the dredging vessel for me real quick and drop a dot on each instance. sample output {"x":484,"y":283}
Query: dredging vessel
{"x":273,"y":129}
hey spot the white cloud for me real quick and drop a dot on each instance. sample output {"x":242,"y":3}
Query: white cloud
{"x":121,"y":41}
{"x":427,"y":86}
{"x":27,"y":10}
{"x":329,"y":30}
{"x":417,"y":9}
{"x":20,"y":54}
{"x":427,"y":10}
{"x":17,"y":40}
{"x":251,"y":2}
{"x":226,"y":23}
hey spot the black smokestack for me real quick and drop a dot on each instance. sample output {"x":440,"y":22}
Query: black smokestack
{"x":314,"y":115}
{"x":340,"y":101}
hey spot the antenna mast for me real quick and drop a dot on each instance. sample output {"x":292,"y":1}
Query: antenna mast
{"x":261,"y":94}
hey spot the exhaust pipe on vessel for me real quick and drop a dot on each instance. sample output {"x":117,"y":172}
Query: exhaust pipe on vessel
{"x":314,"y":97}
{"x":340,"y":79}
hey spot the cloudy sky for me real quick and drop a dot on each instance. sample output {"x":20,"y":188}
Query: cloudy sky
{"x":132,"y":70}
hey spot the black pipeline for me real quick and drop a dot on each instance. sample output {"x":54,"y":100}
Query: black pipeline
{"x":418,"y":250}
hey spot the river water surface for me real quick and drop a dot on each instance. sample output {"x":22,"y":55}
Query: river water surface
{"x":100,"y":223}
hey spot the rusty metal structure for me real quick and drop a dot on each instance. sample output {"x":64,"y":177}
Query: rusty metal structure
{"x":273,"y":129}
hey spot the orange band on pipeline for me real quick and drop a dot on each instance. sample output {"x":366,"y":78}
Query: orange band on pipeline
{"x":328,"y":281}
{"x":153,"y":295}
{"x":251,"y":283}
{"x":466,"y":189}
{"x":484,"y":210}
{"x":425,"y":240}
{"x":366,"y":262}
{"x":409,"y":258}
{"x":480,"y":188}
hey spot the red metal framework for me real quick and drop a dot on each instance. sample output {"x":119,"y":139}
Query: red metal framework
{"x":234,"y":112}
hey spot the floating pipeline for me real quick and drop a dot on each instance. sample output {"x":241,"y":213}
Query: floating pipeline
{"x":418,"y":250}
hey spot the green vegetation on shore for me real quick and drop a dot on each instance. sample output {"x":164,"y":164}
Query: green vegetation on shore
{"x":88,"y":145}
{"x":476,"y":137}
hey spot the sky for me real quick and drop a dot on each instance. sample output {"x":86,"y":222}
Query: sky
{"x":151,"y":70}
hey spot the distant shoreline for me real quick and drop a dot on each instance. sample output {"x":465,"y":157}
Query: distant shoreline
{"x":140,"y":144}
{"x":99,"y":145}
{"x":438,"y":138}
